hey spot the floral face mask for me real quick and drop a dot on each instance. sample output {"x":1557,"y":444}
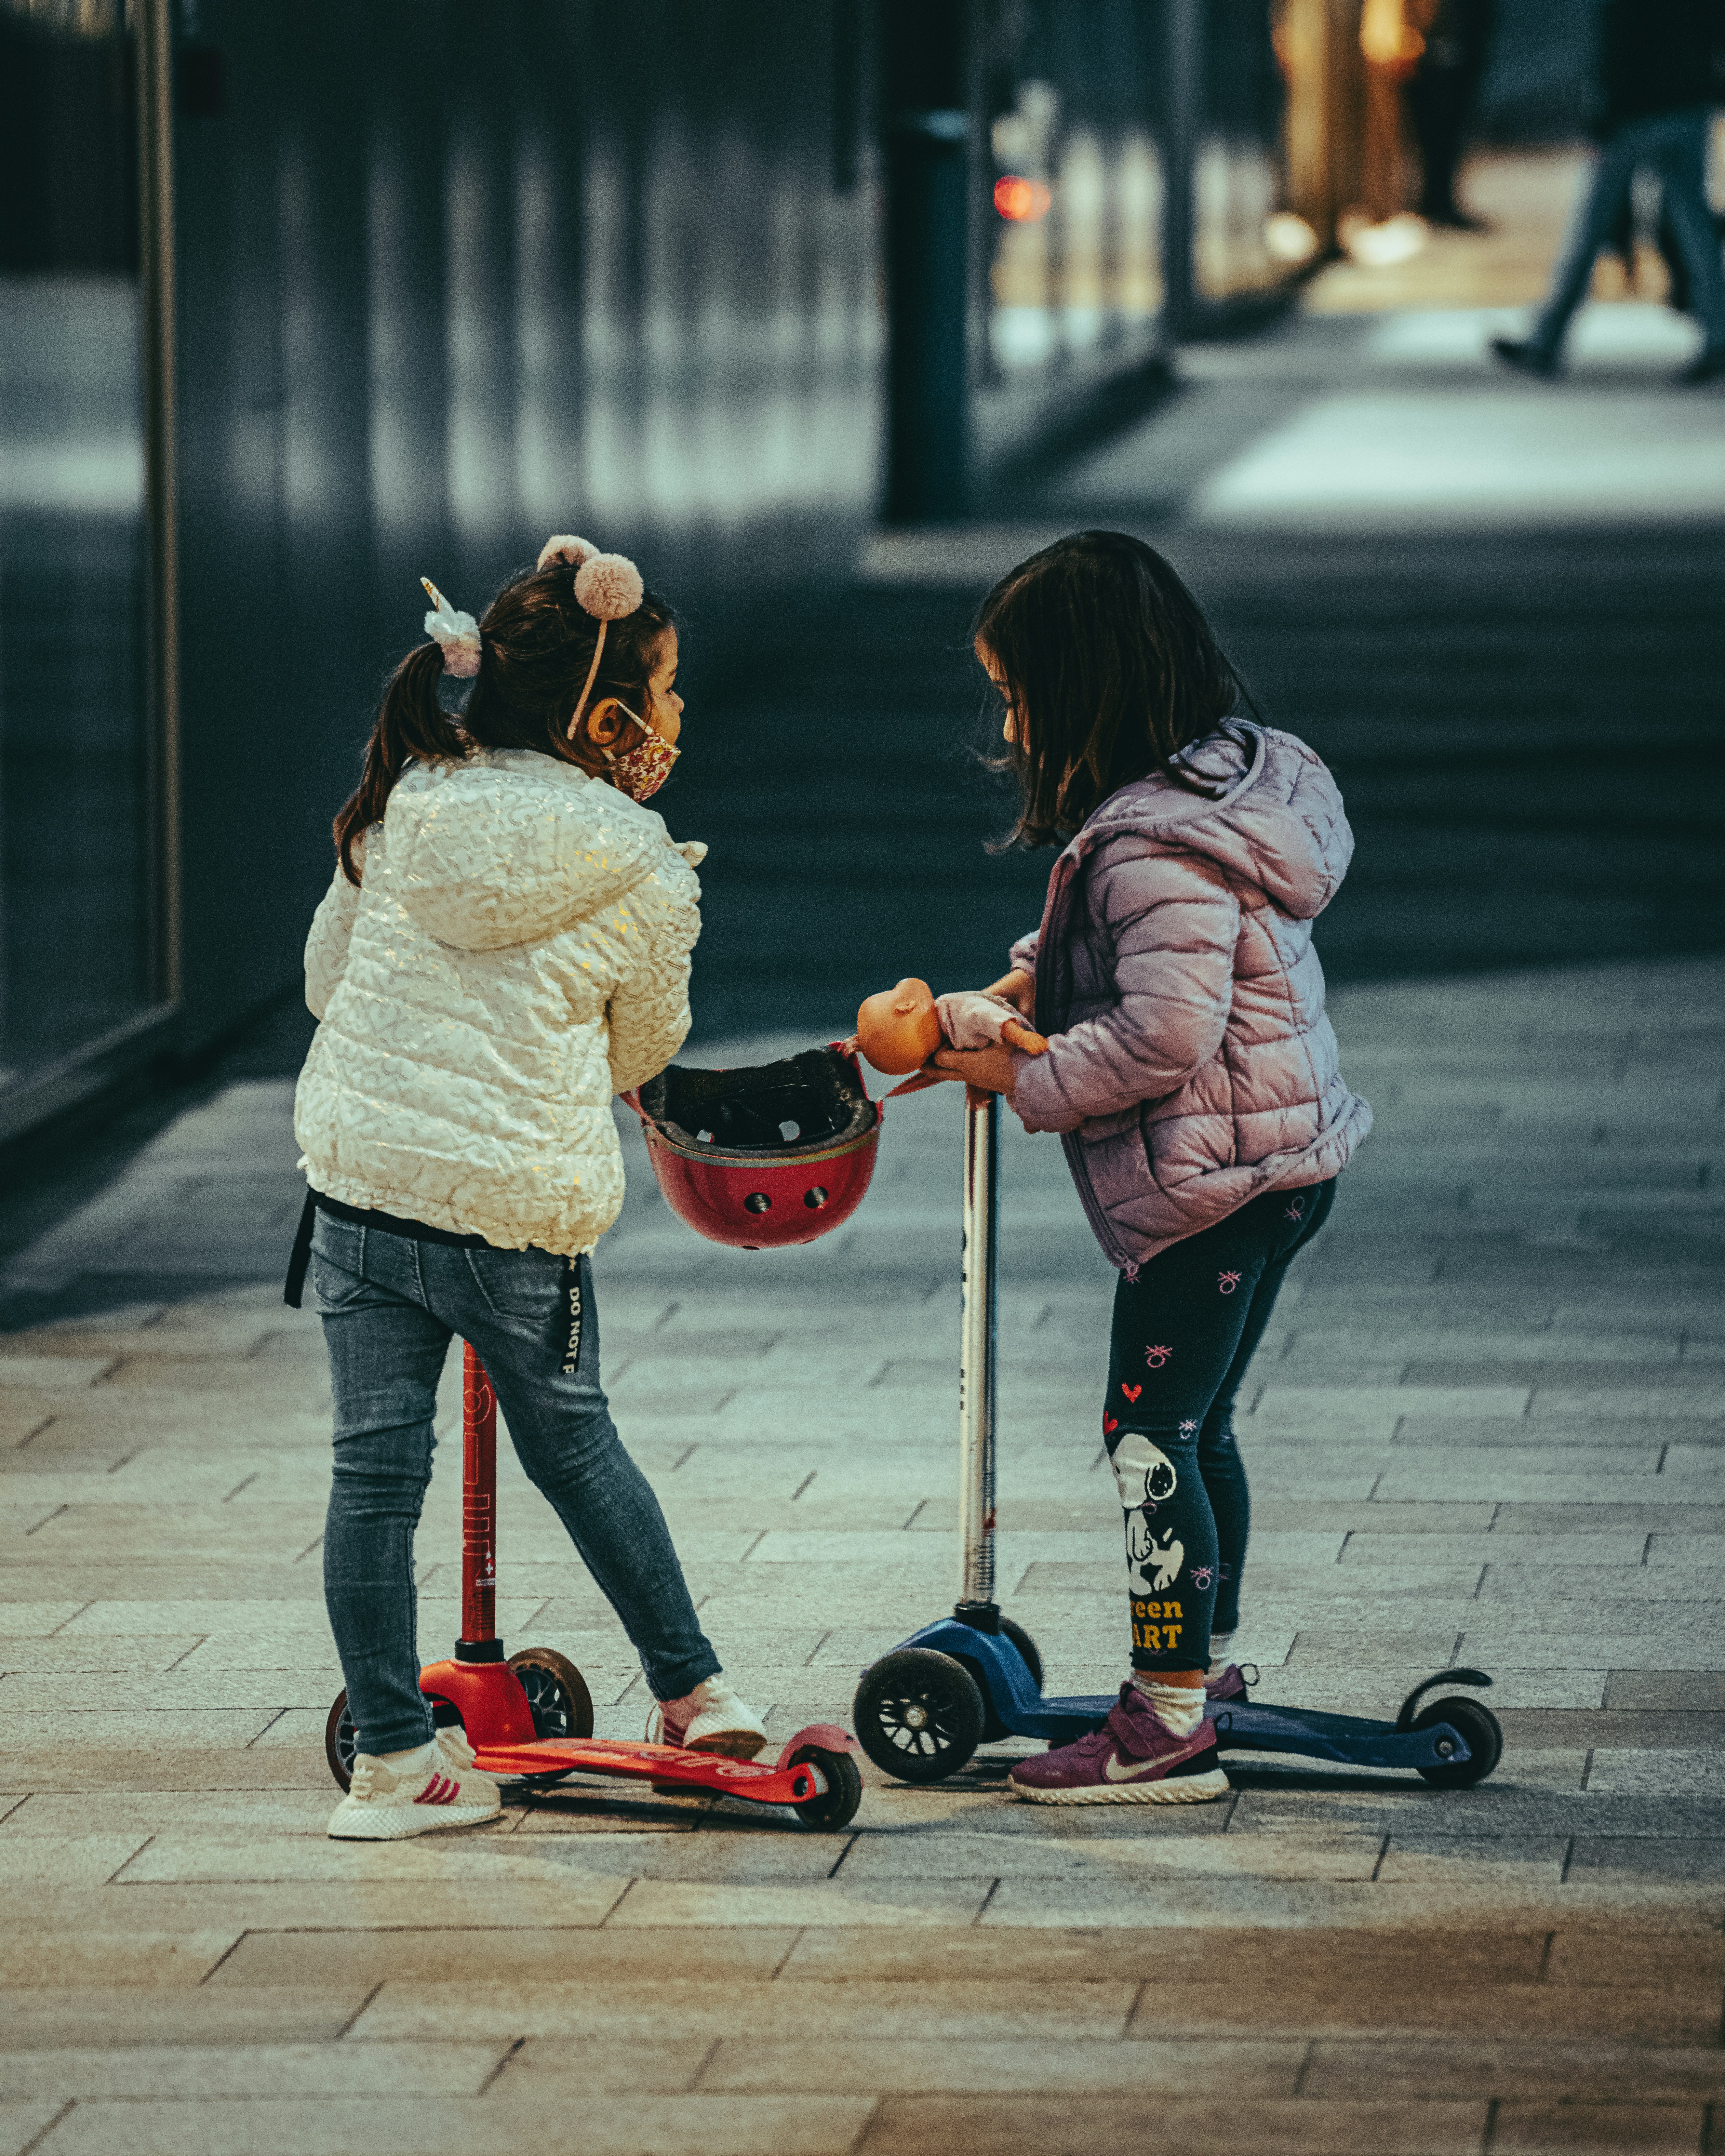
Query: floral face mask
{"x":640,"y":772}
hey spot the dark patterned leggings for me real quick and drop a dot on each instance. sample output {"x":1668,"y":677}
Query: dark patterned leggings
{"x":1184,"y":1330}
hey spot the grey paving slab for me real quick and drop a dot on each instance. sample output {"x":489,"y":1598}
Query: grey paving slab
{"x":393,"y":2125}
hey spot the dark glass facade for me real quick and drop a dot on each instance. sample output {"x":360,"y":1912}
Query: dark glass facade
{"x":80,"y":921}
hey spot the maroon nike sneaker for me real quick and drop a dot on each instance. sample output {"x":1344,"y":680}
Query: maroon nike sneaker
{"x":1230,"y":1685}
{"x":1131,"y":1759}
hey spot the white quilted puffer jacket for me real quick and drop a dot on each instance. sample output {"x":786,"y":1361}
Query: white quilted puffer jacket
{"x":517,"y":953}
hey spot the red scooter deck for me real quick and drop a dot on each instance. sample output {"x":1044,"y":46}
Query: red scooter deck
{"x":814,"y":1774}
{"x":666,"y":1764}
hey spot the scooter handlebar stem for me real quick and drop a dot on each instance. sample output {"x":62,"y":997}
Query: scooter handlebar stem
{"x":976,"y":1382}
{"x":479,"y":1503}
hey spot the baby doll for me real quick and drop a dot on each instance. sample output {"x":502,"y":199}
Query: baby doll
{"x":901,"y":1027}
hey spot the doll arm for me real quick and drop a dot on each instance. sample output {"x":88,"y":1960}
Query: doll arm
{"x":973,"y":1018}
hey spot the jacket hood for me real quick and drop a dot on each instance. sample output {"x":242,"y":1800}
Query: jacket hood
{"x":1278,"y":826}
{"x":513,"y":846}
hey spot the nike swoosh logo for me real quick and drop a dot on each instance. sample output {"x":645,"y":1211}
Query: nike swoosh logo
{"x":1114,"y":1770}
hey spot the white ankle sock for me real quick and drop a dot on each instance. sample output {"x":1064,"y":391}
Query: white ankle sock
{"x":1221,"y":1652}
{"x":420,"y":1759}
{"x":1179,"y":1708}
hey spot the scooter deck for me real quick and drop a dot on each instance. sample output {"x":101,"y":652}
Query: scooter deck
{"x":1240,"y":1726}
{"x":657,"y":1762}
{"x":1349,"y":1740}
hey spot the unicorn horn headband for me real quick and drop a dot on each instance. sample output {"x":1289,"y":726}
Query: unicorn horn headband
{"x":607,"y":585}
{"x":457,"y":633}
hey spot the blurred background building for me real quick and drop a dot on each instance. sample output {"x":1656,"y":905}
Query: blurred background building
{"x":297,"y":306}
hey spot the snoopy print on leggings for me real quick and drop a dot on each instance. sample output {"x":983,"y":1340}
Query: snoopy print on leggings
{"x":1145,"y":1476}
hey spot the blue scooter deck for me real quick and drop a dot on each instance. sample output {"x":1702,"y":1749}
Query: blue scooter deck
{"x":1347,"y":1740}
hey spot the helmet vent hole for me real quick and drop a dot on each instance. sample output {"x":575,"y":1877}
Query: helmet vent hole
{"x":757,"y":1201}
{"x":789,"y":1131}
{"x":815,"y":1198}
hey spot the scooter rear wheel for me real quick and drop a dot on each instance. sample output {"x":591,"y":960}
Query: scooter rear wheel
{"x":918,"y":1714}
{"x":558,"y":1699}
{"x":1479,"y":1730}
{"x":844,"y":1792}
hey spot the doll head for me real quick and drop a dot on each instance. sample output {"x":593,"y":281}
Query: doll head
{"x":898,"y":1030}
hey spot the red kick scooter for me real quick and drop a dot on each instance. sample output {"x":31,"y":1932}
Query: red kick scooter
{"x":530,"y":1718}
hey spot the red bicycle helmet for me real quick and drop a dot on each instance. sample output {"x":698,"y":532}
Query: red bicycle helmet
{"x":760,"y":1158}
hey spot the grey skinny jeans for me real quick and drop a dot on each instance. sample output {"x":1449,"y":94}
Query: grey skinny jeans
{"x":390,"y":1306}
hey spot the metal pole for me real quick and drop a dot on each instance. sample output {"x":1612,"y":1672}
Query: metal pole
{"x":926,"y":158}
{"x":479,"y":1513}
{"x":976,"y":1382}
{"x":155,"y":70}
{"x":1184,"y":123}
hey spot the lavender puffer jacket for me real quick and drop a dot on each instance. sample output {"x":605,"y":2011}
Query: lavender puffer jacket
{"x":1190,"y":1066}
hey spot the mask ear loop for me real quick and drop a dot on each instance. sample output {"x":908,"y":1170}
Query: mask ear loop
{"x":587,"y":686}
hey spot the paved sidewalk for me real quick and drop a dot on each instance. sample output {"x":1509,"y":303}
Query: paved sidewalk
{"x":1486,"y":1429}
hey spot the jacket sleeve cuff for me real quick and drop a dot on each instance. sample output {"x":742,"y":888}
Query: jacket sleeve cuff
{"x":1037,"y":1099}
{"x":1022,"y":957}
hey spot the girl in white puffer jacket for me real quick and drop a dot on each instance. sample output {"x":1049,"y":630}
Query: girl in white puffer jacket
{"x":504,"y":947}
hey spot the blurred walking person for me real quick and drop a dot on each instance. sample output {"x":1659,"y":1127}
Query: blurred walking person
{"x":1441,"y":93}
{"x":1656,"y":82}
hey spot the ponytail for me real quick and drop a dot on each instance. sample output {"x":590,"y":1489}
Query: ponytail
{"x":410,"y":723}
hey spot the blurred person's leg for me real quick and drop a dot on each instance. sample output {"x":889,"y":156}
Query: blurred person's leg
{"x":1596,"y":217}
{"x":1681,"y":159}
{"x":1441,"y":94}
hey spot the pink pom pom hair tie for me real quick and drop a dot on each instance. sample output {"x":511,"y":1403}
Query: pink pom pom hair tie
{"x":565,"y":547}
{"x":457,"y":632}
{"x":607,"y":585}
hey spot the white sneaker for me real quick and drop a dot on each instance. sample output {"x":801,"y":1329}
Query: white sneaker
{"x":712,"y":1718}
{"x":382,"y":1804}
{"x":456,"y":1748}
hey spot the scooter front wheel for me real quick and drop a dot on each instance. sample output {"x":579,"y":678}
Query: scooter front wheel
{"x":341,"y":1739}
{"x":843,"y":1779}
{"x":1478,"y":1728}
{"x":918,"y":1714}
{"x":558,"y":1700}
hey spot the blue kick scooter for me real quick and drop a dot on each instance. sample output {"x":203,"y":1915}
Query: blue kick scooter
{"x":975,"y":1677}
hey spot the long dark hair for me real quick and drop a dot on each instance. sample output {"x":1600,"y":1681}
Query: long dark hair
{"x":1110,"y":670}
{"x":538,"y":645}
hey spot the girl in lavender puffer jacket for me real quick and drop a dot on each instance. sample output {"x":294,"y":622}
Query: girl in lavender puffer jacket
{"x":1191,"y":1073}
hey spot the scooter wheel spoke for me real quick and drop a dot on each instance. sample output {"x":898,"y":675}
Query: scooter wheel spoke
{"x":919,"y":1714}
